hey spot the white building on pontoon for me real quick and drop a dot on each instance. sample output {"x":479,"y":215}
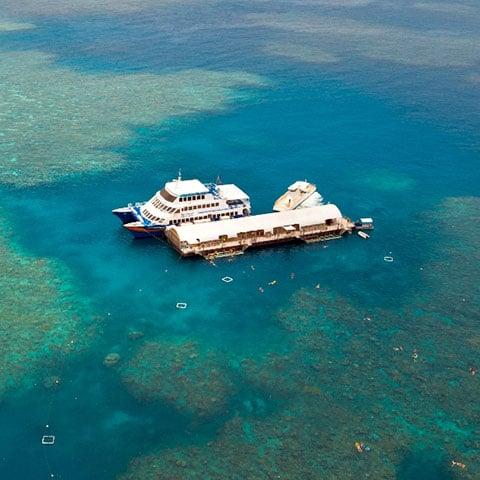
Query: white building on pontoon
{"x":234,"y":236}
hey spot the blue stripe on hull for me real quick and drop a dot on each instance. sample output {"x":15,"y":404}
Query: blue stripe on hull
{"x":125,"y":217}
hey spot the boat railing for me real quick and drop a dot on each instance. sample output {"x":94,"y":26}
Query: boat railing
{"x":213,"y":189}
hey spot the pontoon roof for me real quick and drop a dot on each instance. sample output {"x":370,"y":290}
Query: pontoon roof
{"x":204,"y":232}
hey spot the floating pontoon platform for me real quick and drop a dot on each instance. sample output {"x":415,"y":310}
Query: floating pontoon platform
{"x":233,"y":237}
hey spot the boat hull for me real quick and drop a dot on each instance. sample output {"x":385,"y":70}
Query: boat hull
{"x":139,"y":231}
{"x":125,"y":214}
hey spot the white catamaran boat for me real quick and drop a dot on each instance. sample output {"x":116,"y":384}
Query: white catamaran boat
{"x":184,"y":201}
{"x":300,"y":194}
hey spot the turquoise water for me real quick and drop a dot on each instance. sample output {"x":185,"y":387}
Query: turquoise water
{"x":245,"y":384}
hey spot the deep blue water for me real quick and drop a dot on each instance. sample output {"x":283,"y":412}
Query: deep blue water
{"x":386,"y":141}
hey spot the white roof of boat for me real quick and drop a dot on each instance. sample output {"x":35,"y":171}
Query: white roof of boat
{"x":231,"y":192}
{"x":185,"y":187}
{"x":204,"y":232}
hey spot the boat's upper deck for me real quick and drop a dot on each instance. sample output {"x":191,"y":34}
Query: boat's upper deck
{"x":191,"y":200}
{"x":296,"y":194}
{"x":179,"y":188}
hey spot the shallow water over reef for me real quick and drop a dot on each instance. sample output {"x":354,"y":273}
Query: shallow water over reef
{"x":310,"y":348}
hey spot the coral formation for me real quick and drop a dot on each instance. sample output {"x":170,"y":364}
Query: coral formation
{"x":193,"y":379}
{"x":111,"y":359}
{"x":375,"y":41}
{"x":385,"y":180}
{"x":403,"y":383}
{"x":135,"y":334}
{"x":308,"y":54}
{"x":42,"y":315}
{"x":55,"y":122}
{"x":82,"y":7}
{"x":6,"y":26}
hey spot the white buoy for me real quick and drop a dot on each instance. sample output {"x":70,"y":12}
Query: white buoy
{"x":181,"y":305}
{"x":388,"y":259}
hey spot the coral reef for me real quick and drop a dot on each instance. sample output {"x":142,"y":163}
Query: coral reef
{"x":135,"y":334}
{"x":56,"y":122}
{"x":42,"y":315}
{"x":82,"y":7}
{"x":193,"y":379}
{"x":375,"y":41}
{"x":308,"y":54}
{"x":6,"y":26}
{"x":386,"y":180}
{"x":291,"y":445}
{"x":403,"y":383}
{"x":111,"y":359}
